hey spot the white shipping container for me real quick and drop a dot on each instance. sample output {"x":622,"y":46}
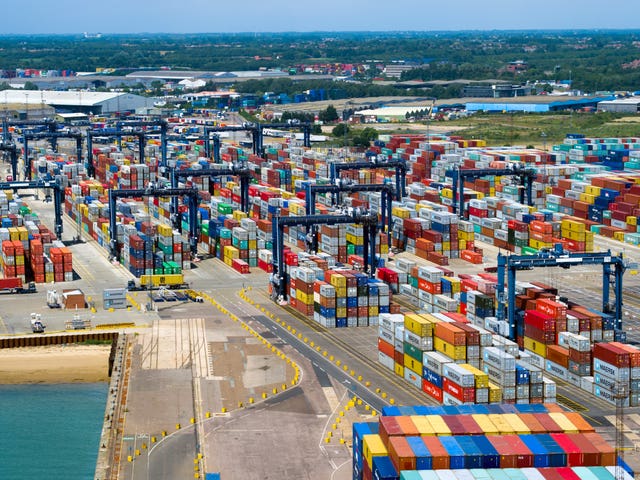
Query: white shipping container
{"x":413,"y":378}
{"x":385,"y":360}
{"x":501,"y":377}
{"x":497,"y":358}
{"x":604,"y":368}
{"x":555,"y":369}
{"x":435,"y":361}
{"x":459,"y":375}
{"x":385,"y":334}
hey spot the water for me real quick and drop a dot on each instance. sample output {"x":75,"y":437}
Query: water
{"x":50,"y":431}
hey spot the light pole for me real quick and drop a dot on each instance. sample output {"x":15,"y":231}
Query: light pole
{"x":544,"y":141}
{"x":433,"y":102}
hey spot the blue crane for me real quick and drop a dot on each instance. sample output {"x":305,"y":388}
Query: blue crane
{"x":279,"y":277}
{"x":53,"y":138}
{"x":112,"y":133}
{"x":459,"y":175}
{"x":240,"y":171}
{"x":400,"y":167}
{"x":386,"y":190}
{"x":190,"y":193}
{"x":58,"y":196}
{"x":12,"y":149}
{"x":160,"y":123}
{"x":612,"y":266}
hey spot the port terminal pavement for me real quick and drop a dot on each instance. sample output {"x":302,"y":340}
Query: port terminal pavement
{"x":174,"y":343}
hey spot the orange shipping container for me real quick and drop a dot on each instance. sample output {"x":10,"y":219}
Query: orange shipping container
{"x":558,"y":354}
{"x":450,"y":333}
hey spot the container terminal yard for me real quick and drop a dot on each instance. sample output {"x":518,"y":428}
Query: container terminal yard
{"x":428,"y":308}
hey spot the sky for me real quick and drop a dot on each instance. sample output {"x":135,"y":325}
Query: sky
{"x":205,"y":16}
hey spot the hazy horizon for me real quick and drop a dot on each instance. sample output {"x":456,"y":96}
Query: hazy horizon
{"x":282,"y":16}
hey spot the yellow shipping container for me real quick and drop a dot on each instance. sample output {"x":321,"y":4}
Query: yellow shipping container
{"x":48,"y":277}
{"x":231,"y":252}
{"x":412,"y":364}
{"x":495,"y":394}
{"x":631,"y":220}
{"x":239,"y":215}
{"x":585,"y":197}
{"x":563,"y":422}
{"x":398,"y":369}
{"x":341,"y":312}
{"x":304,"y":298}
{"x":160,"y":280}
{"x":446,"y":246}
{"x":516,"y":423}
{"x":419,"y":325}
{"x":401,"y":212}
{"x":454,"y":352}
{"x":467,"y":236}
{"x":455,"y":284}
{"x":423,"y":425}
{"x":501,"y":424}
{"x":573,"y":235}
{"x":446,"y":193}
{"x":481,"y":378}
{"x":13,"y":233}
{"x":372,"y":446}
{"x":592,"y":190}
{"x":164,"y":230}
{"x":253,"y":244}
{"x":338,"y":280}
{"x":440,"y":427}
{"x":374,"y":311}
{"x":538,"y":244}
{"x":573,"y":225}
{"x":619,"y":236}
{"x":483,"y":421}
{"x":535,"y":346}
{"x":19,"y":259}
{"x":341,"y":291}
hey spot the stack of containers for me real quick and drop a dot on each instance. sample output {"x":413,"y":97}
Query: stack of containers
{"x":13,"y":259}
{"x":500,"y":367}
{"x":391,"y":342}
{"x":449,"y":440}
{"x":612,"y":372}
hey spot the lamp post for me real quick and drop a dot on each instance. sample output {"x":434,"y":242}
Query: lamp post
{"x":433,"y":102}
{"x":543,"y":135}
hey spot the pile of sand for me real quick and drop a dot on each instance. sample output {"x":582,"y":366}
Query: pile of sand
{"x":55,"y":364}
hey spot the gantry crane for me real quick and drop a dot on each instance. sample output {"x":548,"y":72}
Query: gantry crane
{"x":240,"y":171}
{"x":190,"y":193}
{"x":53,"y":138}
{"x":113,"y":133}
{"x":459,"y":175}
{"x":211,"y":139}
{"x":247,"y":127}
{"x":612,"y":266}
{"x":400,"y":167}
{"x":279,"y":277}
{"x":58,"y":196}
{"x":161,"y":123}
{"x":386,"y":190}
{"x":11,"y":148}
{"x":304,"y":126}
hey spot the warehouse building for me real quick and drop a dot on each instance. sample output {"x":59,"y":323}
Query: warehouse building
{"x":96,"y":103}
{"x":620,"y":105}
{"x":535,"y":104}
{"x":496,"y":91}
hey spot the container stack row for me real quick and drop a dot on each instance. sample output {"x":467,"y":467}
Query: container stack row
{"x":410,"y":441}
{"x":457,"y":363}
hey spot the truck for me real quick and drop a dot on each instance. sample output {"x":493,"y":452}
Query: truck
{"x":36,"y":323}
{"x":154,"y":282}
{"x":15,"y":285}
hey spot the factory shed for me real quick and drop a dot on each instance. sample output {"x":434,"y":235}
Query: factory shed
{"x":536,"y":104}
{"x":620,"y":105}
{"x":79,"y":101}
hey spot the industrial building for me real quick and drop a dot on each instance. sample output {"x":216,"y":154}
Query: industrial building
{"x":620,"y":105}
{"x":95,"y":103}
{"x":535,"y":104}
{"x":496,"y":90}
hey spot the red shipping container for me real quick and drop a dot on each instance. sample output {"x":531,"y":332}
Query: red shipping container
{"x":389,"y":427}
{"x":454,"y":424}
{"x":552,"y":309}
{"x":401,"y":454}
{"x":430,"y":287}
{"x":513,"y":452}
{"x":385,"y":347}
{"x":462,"y":394}
{"x":431,"y":390}
{"x":439,"y":454}
{"x":574,"y":454}
{"x":558,"y":354}
{"x":450,"y":333}
{"x":612,"y":354}
{"x":548,"y":423}
{"x":634,"y":353}
{"x":539,"y":320}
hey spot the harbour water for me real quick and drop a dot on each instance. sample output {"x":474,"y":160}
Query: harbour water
{"x":50,"y":431}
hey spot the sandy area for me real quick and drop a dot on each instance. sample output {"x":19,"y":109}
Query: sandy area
{"x":54,"y":364}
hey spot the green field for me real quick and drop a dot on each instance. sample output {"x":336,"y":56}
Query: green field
{"x":530,"y":129}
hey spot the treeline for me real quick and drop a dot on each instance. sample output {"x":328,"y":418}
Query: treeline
{"x":592,"y":60}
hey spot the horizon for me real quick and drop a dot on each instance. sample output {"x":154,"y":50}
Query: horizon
{"x":39,"y":17}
